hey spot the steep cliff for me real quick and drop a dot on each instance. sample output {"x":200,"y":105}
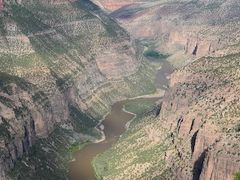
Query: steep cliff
{"x":202,"y":111}
{"x":182,"y":27}
{"x":62,"y":64}
{"x":196,"y":134}
{"x":112,"y":5}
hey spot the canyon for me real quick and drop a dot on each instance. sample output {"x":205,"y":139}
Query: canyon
{"x":195,"y":135}
{"x":63,"y":64}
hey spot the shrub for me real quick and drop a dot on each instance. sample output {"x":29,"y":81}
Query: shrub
{"x":237,"y":128}
{"x":237,"y":176}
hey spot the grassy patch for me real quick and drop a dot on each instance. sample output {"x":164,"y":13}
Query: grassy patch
{"x":129,"y":151}
{"x":237,"y":176}
{"x":81,"y":121}
{"x":154,"y":55}
{"x":139,"y":106}
{"x":48,"y":158}
{"x":151,"y":53}
{"x":6,"y":79}
{"x":27,"y":21}
{"x":4,"y":133}
{"x":237,"y":128}
{"x":75,"y":147}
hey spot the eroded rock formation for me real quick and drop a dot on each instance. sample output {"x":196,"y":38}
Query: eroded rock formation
{"x":112,"y":5}
{"x":193,"y":28}
{"x":198,"y":126}
{"x":58,"y":59}
{"x":204,"y":97}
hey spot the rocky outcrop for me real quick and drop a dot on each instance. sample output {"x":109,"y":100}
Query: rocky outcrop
{"x":202,"y":110}
{"x":1,"y":5}
{"x":197,"y":132}
{"x":218,"y":168}
{"x":112,"y":5}
{"x":25,"y":115}
{"x":186,"y":27}
{"x":59,"y":59}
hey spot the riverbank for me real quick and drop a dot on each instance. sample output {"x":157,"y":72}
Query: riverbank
{"x":158,"y":94}
{"x":137,"y":108}
{"x":114,"y":126}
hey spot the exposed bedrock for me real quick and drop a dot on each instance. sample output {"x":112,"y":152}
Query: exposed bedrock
{"x":195,"y":28}
{"x":201,"y":110}
{"x":56,"y":57}
{"x":112,"y":5}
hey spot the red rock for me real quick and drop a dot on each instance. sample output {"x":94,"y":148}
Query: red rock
{"x":114,"y":5}
{"x":1,"y":5}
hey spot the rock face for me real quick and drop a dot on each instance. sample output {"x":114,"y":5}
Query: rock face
{"x":197,"y":130}
{"x":23,"y":119}
{"x":56,"y":58}
{"x":195,"y":28}
{"x":1,"y":5}
{"x":112,"y":5}
{"x":195,"y":135}
{"x":202,"y":110}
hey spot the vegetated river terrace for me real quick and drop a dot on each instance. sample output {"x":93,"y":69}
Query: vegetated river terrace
{"x":114,"y":126}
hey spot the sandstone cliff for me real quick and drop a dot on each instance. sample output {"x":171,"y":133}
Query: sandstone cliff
{"x":193,"y":28}
{"x":196,"y":134}
{"x":112,"y":5}
{"x":202,"y":110}
{"x":59,"y":60}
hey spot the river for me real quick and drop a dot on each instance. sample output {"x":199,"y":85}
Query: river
{"x":114,"y":126}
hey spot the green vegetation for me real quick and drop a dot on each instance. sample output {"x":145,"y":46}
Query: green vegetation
{"x":154,"y":55}
{"x":81,"y":121}
{"x":139,"y":106}
{"x":53,"y":50}
{"x":151,"y":53}
{"x":237,"y":176}
{"x":49,"y":158}
{"x":76,"y":147}
{"x":28,"y":21}
{"x":129,"y":156}
{"x":4,"y":133}
{"x":140,"y":83}
{"x":238,"y":128}
{"x":6,"y":79}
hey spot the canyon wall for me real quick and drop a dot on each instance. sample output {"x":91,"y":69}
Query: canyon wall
{"x":183,"y":27}
{"x":1,"y":5}
{"x":62,"y":58}
{"x":111,"y":5}
{"x":59,"y":59}
{"x":201,"y":110}
{"x":196,"y":134}
{"x":192,"y":134}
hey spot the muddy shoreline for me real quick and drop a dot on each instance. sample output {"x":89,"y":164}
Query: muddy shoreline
{"x":115,"y":124}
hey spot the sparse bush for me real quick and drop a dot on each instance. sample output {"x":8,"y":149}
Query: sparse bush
{"x":237,"y":128}
{"x":237,"y":176}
